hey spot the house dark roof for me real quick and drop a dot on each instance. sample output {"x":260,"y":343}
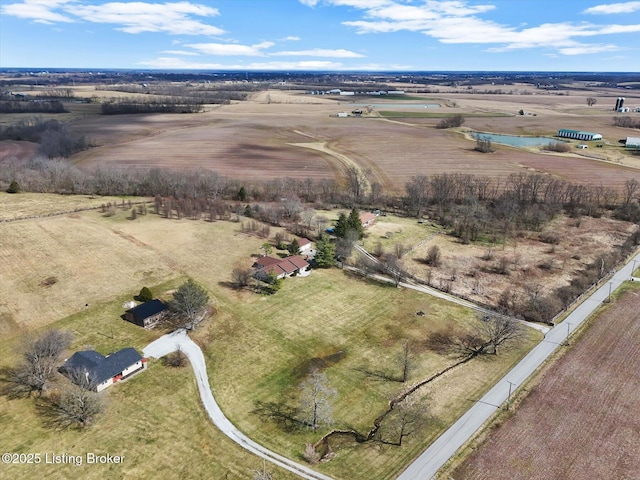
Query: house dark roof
{"x":99,"y":367}
{"x":147,"y":309}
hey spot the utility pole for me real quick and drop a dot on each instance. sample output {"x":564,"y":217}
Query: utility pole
{"x":566,"y":342}
{"x":609,"y":296}
{"x":511,"y":384}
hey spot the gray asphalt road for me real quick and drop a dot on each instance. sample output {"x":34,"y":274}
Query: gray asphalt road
{"x":179,"y":339}
{"x":434,"y":457}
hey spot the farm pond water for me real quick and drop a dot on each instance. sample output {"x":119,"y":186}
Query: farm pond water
{"x":515,"y":140}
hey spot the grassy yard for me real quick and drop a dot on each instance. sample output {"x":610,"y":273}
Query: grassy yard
{"x":258,"y":348}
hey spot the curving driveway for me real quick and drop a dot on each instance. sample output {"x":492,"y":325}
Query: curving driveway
{"x":179,"y":339}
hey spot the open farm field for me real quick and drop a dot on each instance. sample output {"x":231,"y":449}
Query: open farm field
{"x":580,"y":418}
{"x":257,"y":139}
{"x":258,"y":348}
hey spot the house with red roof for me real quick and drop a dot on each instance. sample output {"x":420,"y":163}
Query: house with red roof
{"x":280,"y":267}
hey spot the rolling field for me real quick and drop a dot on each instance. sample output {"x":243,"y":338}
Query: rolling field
{"x":258,"y":348}
{"x":257,"y":139}
{"x":580,"y":420}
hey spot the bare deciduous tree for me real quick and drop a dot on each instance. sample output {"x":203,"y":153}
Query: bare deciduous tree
{"x":241,"y":276}
{"x":75,"y":405}
{"x":40,"y":358}
{"x":316,"y":400}
{"x":434,"y":256}
{"x":591,"y":101}
{"x":406,"y":418}
{"x":486,"y":335}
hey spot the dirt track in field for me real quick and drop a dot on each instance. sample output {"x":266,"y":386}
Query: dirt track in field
{"x":581,"y":421}
{"x":260,"y":139}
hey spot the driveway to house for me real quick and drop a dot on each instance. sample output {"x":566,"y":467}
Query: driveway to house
{"x":434,"y":457}
{"x":179,"y":339}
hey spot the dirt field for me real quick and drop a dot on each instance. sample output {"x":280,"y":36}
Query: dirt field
{"x":258,"y":139}
{"x":581,"y":421}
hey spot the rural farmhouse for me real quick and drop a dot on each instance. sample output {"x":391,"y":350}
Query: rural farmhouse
{"x":147,"y":314}
{"x":280,"y":267}
{"x":367,"y":219}
{"x":100,"y":371}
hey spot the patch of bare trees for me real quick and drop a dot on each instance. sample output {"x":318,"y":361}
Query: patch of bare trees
{"x":40,"y":358}
{"x":451,"y":122}
{"x":73,"y":405}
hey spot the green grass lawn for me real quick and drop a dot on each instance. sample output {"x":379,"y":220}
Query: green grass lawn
{"x":431,"y":114}
{"x":258,"y":349}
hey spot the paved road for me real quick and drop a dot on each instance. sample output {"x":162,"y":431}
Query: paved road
{"x":179,"y":339}
{"x":434,"y":457}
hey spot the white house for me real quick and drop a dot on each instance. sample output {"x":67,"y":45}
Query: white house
{"x":99,"y":371}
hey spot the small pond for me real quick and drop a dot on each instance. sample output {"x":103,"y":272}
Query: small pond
{"x":515,"y":140}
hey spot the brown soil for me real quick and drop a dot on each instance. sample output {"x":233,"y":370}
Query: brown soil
{"x":582,"y":420}
{"x":257,"y":139}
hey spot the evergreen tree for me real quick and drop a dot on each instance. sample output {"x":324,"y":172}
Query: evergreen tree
{"x":13,"y":187}
{"x":294,"y":247}
{"x":145,"y":295}
{"x":325,"y":252}
{"x":354,"y":223}
{"x":342,"y":226}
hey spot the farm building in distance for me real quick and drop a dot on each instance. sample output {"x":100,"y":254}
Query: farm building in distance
{"x":146,"y":314}
{"x":633,"y":143}
{"x":100,"y":371}
{"x":578,"y":135}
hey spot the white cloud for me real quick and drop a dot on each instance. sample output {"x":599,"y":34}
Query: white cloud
{"x":179,"y":52}
{"x":459,"y":22}
{"x":320,"y":52}
{"x":130,"y":17}
{"x":588,"y":49}
{"x":611,"y":8}
{"x":227,"y":49}
{"x":181,"y":64}
{"x":138,"y":17}
{"x":41,"y":11}
{"x":291,"y":39}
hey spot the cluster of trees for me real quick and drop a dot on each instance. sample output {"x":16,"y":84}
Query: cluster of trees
{"x":165,"y":105}
{"x":55,"y":138}
{"x":62,"y":403}
{"x":38,"y":106}
{"x":451,"y":122}
{"x":561,"y":147}
{"x":626,"y":121}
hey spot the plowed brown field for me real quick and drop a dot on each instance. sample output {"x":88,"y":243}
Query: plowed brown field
{"x":581,"y":421}
{"x":256,"y":140}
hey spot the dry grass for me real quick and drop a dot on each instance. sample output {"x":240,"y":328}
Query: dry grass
{"x":258,"y":347}
{"x":579,"y":421}
{"x":15,"y":206}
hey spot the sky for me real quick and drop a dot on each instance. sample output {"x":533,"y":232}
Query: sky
{"x":322,"y":35}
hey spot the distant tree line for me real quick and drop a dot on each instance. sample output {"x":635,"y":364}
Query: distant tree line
{"x":626,"y":122}
{"x":166,"y":105}
{"x":32,"y":106}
